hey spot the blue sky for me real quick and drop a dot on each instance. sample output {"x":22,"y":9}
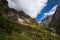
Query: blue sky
{"x":49,"y":5}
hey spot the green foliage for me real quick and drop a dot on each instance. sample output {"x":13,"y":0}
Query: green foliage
{"x":13,"y":31}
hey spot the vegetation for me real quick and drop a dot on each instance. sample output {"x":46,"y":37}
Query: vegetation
{"x":12,"y":31}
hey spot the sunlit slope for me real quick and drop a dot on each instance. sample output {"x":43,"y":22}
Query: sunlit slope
{"x":13,"y":31}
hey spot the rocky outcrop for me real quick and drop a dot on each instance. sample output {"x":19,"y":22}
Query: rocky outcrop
{"x":14,"y":15}
{"x":47,"y":20}
{"x":55,"y":22}
{"x":26,"y":18}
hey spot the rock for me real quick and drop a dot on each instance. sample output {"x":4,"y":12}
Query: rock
{"x":47,"y":20}
{"x":53,"y":21}
{"x":14,"y":15}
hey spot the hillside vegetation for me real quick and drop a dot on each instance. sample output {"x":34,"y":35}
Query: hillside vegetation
{"x":13,"y":30}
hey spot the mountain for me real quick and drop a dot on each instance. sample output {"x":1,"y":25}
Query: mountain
{"x":53,"y":21}
{"x":18,"y":15}
{"x":47,"y":20}
{"x":16,"y":25}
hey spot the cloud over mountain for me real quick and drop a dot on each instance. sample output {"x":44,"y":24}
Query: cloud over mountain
{"x":30,"y":7}
{"x":49,"y":9}
{"x":51,"y":12}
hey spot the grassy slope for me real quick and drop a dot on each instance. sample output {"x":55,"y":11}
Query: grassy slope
{"x":13,"y":31}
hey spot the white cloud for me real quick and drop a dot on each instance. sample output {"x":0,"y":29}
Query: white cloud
{"x":30,"y":7}
{"x":51,"y":12}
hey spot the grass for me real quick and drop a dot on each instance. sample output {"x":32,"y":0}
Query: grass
{"x":23,"y":32}
{"x":13,"y":30}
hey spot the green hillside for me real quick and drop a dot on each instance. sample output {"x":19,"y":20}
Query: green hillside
{"x":13,"y":31}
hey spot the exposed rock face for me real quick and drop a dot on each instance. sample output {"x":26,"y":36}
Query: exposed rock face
{"x":14,"y":15}
{"x":55,"y":22}
{"x":26,"y":18}
{"x":47,"y":20}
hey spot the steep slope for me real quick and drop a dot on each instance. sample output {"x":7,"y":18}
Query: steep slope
{"x":14,"y":15}
{"x":47,"y":20}
{"x":11,"y":29}
{"x":55,"y":22}
{"x":27,"y":18}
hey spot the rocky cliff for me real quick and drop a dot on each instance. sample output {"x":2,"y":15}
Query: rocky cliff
{"x":53,"y":21}
{"x":47,"y":20}
{"x":15,"y":15}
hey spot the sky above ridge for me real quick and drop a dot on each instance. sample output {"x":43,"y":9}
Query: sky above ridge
{"x":37,"y":9}
{"x":49,"y":9}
